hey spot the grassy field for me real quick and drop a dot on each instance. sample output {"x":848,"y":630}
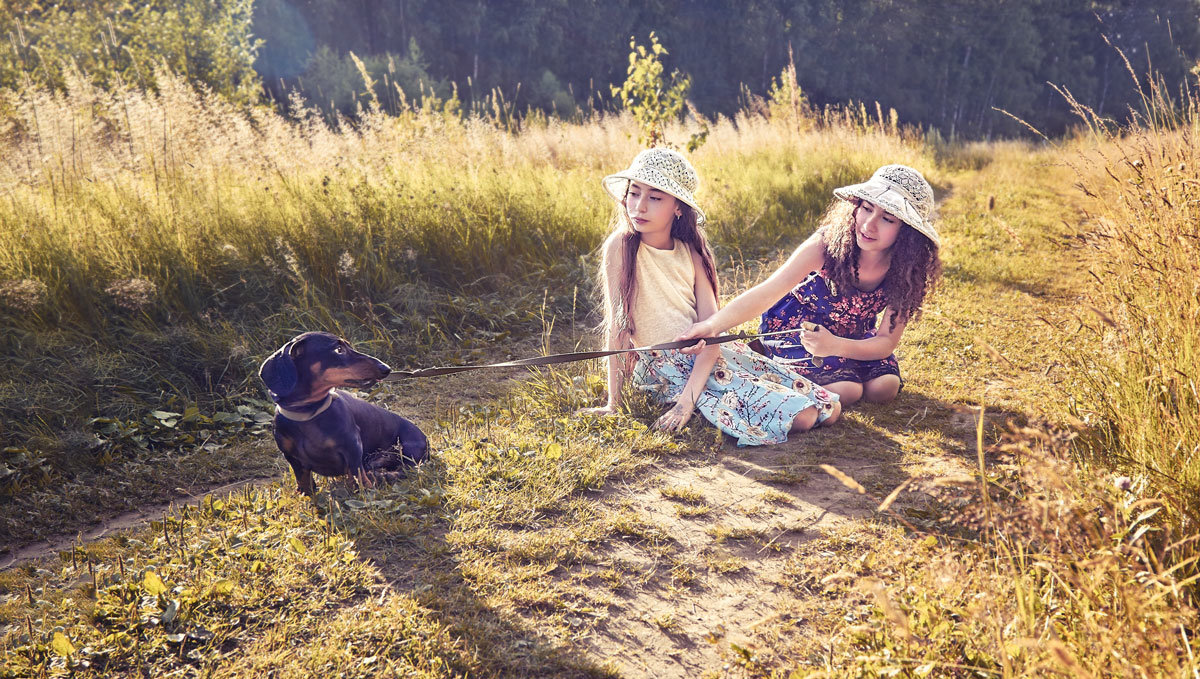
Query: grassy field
{"x":153,"y":249}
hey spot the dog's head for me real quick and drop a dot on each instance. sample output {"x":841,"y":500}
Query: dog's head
{"x":314,"y":362}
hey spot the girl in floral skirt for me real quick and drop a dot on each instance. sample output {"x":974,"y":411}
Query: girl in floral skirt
{"x":658,"y":279}
{"x":876,"y":252}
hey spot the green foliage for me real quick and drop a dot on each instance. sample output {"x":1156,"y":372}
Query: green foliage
{"x":654,"y":100}
{"x":213,"y":578}
{"x":787,"y":102}
{"x":115,"y":41}
{"x":113,"y":441}
{"x":947,"y":65}
{"x":1008,"y":598}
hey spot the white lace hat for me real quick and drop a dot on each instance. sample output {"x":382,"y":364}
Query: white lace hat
{"x":902,"y":191}
{"x":663,"y":169}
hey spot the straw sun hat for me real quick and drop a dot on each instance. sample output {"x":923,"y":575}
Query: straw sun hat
{"x":660,"y":168}
{"x":900,"y":190}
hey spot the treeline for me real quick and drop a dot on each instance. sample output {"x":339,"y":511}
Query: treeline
{"x":947,"y":64}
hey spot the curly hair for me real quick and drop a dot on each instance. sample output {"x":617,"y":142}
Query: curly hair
{"x":904,"y":287}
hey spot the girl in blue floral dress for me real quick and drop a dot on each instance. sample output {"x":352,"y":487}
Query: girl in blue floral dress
{"x":658,"y":279}
{"x":875,"y":254}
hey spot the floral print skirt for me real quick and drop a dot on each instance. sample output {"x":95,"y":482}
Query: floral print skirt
{"x":748,"y":396}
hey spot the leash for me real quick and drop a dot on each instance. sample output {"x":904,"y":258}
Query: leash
{"x":552,"y":359}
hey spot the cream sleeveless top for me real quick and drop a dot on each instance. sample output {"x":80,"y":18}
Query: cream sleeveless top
{"x":665,"y":303}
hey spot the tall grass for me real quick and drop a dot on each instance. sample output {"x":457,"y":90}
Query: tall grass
{"x":1141,"y":393}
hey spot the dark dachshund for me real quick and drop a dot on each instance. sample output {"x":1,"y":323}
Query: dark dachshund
{"x":330,"y":432}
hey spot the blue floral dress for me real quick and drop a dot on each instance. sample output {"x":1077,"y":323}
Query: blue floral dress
{"x":845,"y":313}
{"x":747,"y":396}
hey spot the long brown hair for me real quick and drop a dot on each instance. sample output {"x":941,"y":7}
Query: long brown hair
{"x":904,"y":286}
{"x":684,"y":229}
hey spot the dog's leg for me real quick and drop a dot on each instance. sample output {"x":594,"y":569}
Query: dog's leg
{"x":413,"y":442}
{"x":304,"y":481}
{"x":365,"y":479}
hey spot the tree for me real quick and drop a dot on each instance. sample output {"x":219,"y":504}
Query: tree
{"x":653,"y":100}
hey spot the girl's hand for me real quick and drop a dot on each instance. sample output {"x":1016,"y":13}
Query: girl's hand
{"x":817,"y":340}
{"x":601,"y":411}
{"x":675,"y":418}
{"x":701,"y":329}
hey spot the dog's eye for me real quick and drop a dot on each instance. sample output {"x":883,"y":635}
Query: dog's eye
{"x":339,"y":350}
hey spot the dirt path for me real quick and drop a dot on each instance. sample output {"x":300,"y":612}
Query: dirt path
{"x":121,"y":522}
{"x":732,"y":527}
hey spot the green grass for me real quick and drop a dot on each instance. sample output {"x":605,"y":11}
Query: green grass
{"x":526,"y":539}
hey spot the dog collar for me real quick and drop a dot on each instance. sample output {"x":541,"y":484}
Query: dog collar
{"x":297,"y":416}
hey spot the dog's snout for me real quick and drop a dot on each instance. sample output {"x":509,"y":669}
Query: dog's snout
{"x":384,"y":368}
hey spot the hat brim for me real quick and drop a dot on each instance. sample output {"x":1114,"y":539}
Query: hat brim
{"x":616,"y":185}
{"x":894,"y":202}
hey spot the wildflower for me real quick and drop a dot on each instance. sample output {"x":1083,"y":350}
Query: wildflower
{"x":289,"y":256}
{"x":346,"y":268}
{"x":1122,"y":483}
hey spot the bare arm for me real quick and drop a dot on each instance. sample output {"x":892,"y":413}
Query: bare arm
{"x":613,"y":263}
{"x":824,"y":343}
{"x":611,"y":259}
{"x":809,"y":257}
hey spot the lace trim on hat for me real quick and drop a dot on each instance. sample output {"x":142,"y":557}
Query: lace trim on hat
{"x":916,"y":187}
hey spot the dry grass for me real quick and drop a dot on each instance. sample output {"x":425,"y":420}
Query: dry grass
{"x":139,"y":215}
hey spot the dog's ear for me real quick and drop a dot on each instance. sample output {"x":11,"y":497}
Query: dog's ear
{"x":278,"y":372}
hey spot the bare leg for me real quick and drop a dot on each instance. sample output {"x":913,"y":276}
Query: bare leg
{"x":805,"y":419}
{"x":881,"y":389}
{"x":849,"y":392}
{"x":833,"y":416}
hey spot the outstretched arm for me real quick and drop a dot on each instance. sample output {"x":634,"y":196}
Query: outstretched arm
{"x":809,"y":257}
